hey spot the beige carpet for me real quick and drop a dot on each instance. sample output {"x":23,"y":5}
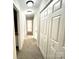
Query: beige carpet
{"x":30,"y":50}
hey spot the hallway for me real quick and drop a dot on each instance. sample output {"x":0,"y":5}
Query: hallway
{"x":30,"y":50}
{"x":45,"y":21}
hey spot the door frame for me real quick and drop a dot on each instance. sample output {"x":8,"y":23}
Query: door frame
{"x":14,"y":7}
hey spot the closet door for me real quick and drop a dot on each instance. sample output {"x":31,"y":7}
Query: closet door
{"x":56,"y":38}
{"x":43,"y":33}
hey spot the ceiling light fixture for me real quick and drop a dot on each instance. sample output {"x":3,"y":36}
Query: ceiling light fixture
{"x":30,"y":3}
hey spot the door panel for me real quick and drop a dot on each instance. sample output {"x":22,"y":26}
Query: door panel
{"x":57,"y":5}
{"x":43,"y":33}
{"x":56,"y":39}
{"x":55,"y":27}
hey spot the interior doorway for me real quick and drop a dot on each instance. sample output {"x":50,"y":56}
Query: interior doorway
{"x":16,"y":26}
{"x":29,"y":27}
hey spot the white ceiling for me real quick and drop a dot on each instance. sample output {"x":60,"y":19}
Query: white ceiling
{"x":24,"y":7}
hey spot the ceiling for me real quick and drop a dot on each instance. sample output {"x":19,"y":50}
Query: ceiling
{"x":24,"y":7}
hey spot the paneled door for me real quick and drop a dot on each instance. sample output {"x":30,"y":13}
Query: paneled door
{"x":56,"y":48}
{"x":43,"y":32}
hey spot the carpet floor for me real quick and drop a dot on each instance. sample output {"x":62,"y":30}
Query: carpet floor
{"x":30,"y":50}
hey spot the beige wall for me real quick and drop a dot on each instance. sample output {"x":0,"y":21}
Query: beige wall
{"x":7,"y":41}
{"x":35,"y":25}
{"x":22,"y":29}
{"x":21,"y":25}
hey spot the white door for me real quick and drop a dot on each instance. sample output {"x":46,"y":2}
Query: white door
{"x":56,"y":31}
{"x":43,"y":32}
{"x":52,"y":27}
